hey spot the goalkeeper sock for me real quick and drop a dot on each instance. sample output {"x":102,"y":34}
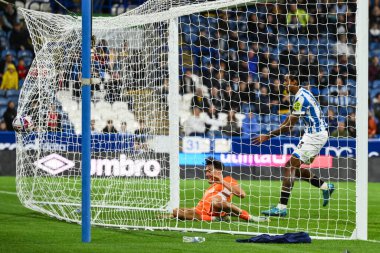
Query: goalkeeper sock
{"x":244,"y":215}
{"x":317,"y":182}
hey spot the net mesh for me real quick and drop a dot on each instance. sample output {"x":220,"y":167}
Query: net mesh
{"x":233,"y":56}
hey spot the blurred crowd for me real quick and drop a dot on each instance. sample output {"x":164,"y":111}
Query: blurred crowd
{"x":233,"y":62}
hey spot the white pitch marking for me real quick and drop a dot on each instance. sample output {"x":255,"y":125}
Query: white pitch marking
{"x":9,"y":193}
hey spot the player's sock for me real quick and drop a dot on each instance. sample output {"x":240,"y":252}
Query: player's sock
{"x":244,"y":215}
{"x":284,"y":198}
{"x":317,"y":182}
{"x":324,"y":186}
{"x":281,"y":206}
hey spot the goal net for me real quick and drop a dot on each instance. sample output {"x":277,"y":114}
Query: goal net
{"x":174,"y":82}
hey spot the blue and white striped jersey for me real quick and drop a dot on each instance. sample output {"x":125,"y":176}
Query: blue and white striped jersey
{"x":306,"y":106}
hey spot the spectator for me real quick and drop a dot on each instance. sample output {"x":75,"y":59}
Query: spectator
{"x":342,"y":24}
{"x":309,"y":68}
{"x":250,"y":124}
{"x":297,"y":14}
{"x":252,"y":28}
{"x":347,"y":67}
{"x":223,"y":26}
{"x":232,"y":128}
{"x":274,"y":70}
{"x":332,"y":120}
{"x":53,"y":119}
{"x":351,"y":124}
{"x":143,"y":129}
{"x":10,"y":17}
{"x":323,"y":80}
{"x":124,"y":128}
{"x":312,"y":28}
{"x":216,"y":99}
{"x":235,"y":83}
{"x":22,"y":71}
{"x":372,"y":126}
{"x":339,"y":94}
{"x":189,"y":82}
{"x":289,"y":59}
{"x":3,"y":126}
{"x":374,"y":32}
{"x":10,"y":79}
{"x":19,"y":38}
{"x":232,"y":100}
{"x":112,"y":87}
{"x":376,"y":106}
{"x":219,"y":42}
{"x":195,"y":125}
{"x":247,"y":97}
{"x":140,"y":139}
{"x":342,"y":47}
{"x":10,"y":115}
{"x":295,"y":27}
{"x":207,"y":75}
{"x":4,"y":63}
{"x":163,"y":91}
{"x":92,"y":125}
{"x":264,"y":106}
{"x":375,"y":15}
{"x":252,"y":64}
{"x":212,"y":122}
{"x":341,"y":131}
{"x":109,"y":128}
{"x":203,"y":43}
{"x":340,"y":7}
{"x":233,"y":41}
{"x":374,"y":69}
{"x":264,"y":77}
{"x":219,"y":80}
{"x":199,"y":100}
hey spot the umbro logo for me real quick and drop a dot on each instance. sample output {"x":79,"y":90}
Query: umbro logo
{"x":54,"y":164}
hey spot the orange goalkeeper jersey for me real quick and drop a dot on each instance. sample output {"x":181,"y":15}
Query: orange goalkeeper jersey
{"x":216,"y":189}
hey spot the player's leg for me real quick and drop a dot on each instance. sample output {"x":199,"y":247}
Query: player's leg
{"x":186,"y":214}
{"x":309,"y":147}
{"x":220,"y":204}
{"x":310,"y":177}
{"x":290,"y":169}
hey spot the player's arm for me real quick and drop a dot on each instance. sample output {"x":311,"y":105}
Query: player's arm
{"x":298,"y":109}
{"x":284,"y":128}
{"x":235,"y":189}
{"x":231,"y":185}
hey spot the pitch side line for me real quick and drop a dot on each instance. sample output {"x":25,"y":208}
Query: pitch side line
{"x":9,"y":193}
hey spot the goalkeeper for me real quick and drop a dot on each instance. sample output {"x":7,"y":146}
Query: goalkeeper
{"x":307,"y":108}
{"x":216,"y":201}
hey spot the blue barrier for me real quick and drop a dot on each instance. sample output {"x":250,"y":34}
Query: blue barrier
{"x":342,"y":147}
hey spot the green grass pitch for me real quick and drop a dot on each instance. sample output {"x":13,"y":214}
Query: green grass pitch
{"x":23,"y":230}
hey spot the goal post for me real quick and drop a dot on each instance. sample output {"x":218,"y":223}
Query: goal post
{"x":175,"y":82}
{"x":86,"y":119}
{"x":362,"y":128}
{"x":173,"y":102}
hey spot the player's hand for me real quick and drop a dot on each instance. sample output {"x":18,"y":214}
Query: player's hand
{"x":260,"y":139}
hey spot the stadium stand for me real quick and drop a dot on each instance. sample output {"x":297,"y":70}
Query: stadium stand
{"x":264,"y":70}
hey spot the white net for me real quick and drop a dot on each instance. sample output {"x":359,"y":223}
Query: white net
{"x":233,"y":56}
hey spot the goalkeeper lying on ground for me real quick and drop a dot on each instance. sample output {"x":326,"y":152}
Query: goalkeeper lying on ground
{"x":216,"y":202}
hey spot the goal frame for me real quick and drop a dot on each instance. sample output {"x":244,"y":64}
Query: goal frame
{"x":361,"y":122}
{"x":361,"y":111}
